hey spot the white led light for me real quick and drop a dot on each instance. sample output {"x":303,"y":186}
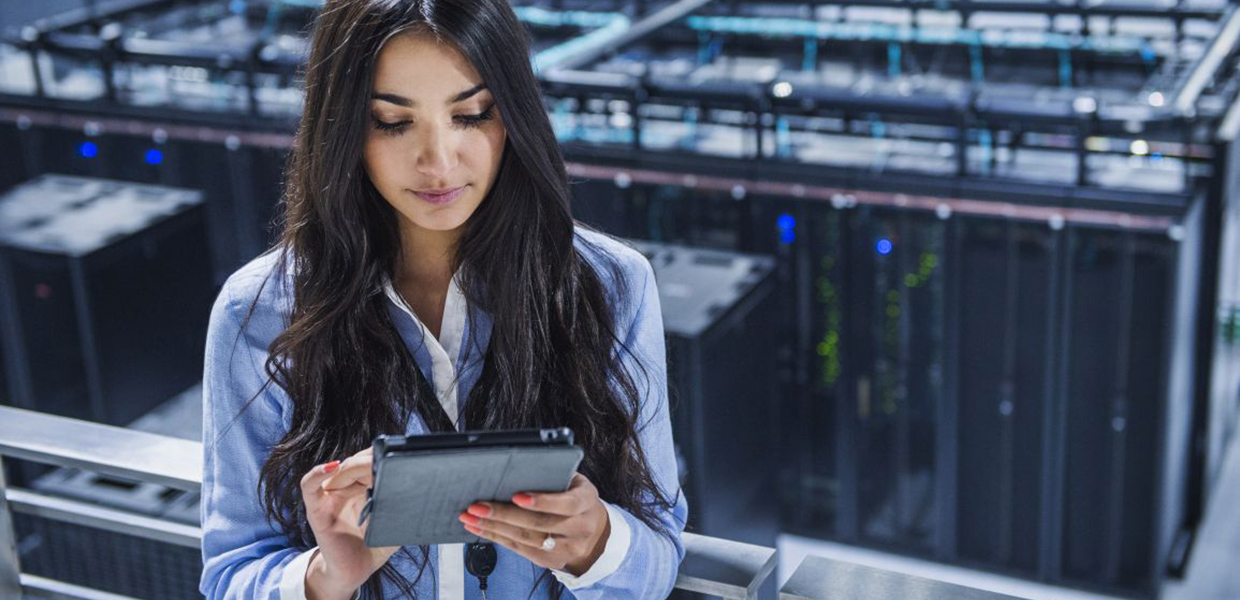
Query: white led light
{"x":621,"y":120}
{"x":782,"y":89}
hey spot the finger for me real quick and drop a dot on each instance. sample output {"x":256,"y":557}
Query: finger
{"x":578,"y":499}
{"x":317,"y":474}
{"x":350,"y":471}
{"x":537,"y":556}
{"x":331,"y":504}
{"x":520,"y":517}
{"x":528,"y":537}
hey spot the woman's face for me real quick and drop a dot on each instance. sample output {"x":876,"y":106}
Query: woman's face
{"x":433,"y":127}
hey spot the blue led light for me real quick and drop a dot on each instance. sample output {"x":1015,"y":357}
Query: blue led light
{"x":787,"y":236}
{"x":154,"y":157}
{"x":88,"y":149}
{"x":786,"y":222}
{"x":883,"y":246}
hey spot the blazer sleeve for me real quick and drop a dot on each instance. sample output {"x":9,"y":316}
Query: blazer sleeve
{"x":652,"y":561}
{"x":243,"y":554}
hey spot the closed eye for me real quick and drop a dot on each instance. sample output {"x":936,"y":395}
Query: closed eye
{"x":461,"y":121}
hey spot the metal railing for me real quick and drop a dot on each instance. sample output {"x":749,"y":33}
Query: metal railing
{"x":712,"y":566}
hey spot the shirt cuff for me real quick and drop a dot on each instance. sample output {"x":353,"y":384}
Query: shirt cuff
{"x":293,"y":581}
{"x":613,"y":553}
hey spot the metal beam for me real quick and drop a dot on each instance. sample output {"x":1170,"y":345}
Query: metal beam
{"x":41,"y":588}
{"x":10,"y":568}
{"x":639,"y":30}
{"x":96,"y":516}
{"x":1185,"y":98}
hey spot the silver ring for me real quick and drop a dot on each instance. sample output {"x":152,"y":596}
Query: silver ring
{"x":548,"y":543}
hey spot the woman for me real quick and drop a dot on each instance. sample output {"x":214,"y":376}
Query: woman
{"x":430,"y":278}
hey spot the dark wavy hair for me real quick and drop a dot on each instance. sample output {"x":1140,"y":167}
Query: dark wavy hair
{"x":553,"y":357}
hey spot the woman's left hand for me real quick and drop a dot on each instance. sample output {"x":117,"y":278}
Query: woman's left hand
{"x":576,"y":519}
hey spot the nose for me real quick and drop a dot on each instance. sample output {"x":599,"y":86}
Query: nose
{"x":436,"y":154}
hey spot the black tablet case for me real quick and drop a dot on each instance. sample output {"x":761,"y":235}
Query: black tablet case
{"x":418,"y":496}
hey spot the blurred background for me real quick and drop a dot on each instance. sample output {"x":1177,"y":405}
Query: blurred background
{"x":951,"y":287}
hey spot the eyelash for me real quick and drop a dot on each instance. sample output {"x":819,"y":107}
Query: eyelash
{"x":465,"y":122}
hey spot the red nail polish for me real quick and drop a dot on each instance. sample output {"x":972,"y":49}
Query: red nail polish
{"x":331,"y":466}
{"x":470,"y":519}
{"x":523,"y":499}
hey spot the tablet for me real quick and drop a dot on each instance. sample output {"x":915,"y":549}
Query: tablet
{"x":422,"y":483}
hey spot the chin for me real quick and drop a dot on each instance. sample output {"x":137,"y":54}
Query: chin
{"x":448,"y":220}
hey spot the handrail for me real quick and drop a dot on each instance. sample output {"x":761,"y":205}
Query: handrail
{"x":712,"y":565}
{"x":49,"y":439}
{"x":720,"y":567}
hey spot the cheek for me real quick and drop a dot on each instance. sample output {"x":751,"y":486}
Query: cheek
{"x":494,"y":146}
{"x":478,"y":153}
{"x":380,"y":159}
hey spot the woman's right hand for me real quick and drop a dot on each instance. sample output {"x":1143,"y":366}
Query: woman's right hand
{"x":334,"y":498}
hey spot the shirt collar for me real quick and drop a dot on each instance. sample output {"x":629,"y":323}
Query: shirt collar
{"x":445,"y":351}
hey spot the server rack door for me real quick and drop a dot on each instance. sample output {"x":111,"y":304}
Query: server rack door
{"x":1005,"y":271}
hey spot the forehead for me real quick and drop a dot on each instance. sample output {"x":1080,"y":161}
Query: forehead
{"x":418,"y":65}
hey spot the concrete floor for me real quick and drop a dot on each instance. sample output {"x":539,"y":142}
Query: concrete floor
{"x":1214,"y":567}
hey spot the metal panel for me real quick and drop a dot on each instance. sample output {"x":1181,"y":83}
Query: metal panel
{"x":819,"y":578}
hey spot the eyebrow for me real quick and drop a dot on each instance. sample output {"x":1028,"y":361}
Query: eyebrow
{"x":406,"y":102}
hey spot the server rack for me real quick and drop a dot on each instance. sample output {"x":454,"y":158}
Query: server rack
{"x":894,"y":305}
{"x":105,"y":295}
{"x":718,"y":310}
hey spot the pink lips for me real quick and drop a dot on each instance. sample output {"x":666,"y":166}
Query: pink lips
{"x":441,"y":199}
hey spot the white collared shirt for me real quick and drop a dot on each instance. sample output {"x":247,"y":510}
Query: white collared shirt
{"x":452,"y":575}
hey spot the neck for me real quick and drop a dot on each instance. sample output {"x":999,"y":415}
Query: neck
{"x":426,"y":256}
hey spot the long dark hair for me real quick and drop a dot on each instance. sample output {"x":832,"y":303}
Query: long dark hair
{"x":553,"y":357}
